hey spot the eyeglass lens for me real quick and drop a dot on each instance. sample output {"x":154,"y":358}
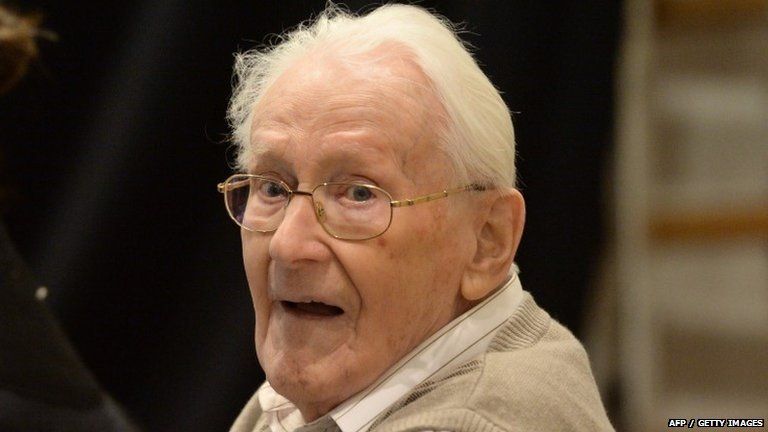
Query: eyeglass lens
{"x":346,"y":210}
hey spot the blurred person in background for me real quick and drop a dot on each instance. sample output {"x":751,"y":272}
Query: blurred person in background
{"x":44,"y":386}
{"x":379,"y":222}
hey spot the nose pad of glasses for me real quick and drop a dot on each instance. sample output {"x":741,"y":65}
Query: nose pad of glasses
{"x":320,"y":211}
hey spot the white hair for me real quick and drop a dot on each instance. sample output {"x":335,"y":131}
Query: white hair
{"x":478,"y":136}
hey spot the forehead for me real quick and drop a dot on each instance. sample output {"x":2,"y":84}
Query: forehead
{"x":322,"y":105}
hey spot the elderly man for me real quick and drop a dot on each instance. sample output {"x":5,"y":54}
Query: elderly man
{"x":379,"y":224}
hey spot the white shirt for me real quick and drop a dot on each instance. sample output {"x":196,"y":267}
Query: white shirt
{"x":461,"y":340}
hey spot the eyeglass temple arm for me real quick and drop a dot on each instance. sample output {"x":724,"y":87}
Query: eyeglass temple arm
{"x":233,"y":185}
{"x":437,"y":195}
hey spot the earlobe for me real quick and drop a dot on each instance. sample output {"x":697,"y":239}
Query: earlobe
{"x":473,"y":287}
{"x":498,"y":236}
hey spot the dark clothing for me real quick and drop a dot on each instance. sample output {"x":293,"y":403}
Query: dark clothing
{"x":43,"y":384}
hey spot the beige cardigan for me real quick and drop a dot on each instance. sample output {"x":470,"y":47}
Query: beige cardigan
{"x":535,"y":376}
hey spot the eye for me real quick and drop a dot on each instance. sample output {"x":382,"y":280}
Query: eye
{"x":272,"y":189}
{"x":359,"y":193}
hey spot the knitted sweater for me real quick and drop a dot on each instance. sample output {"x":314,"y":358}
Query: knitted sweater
{"x":535,"y":376}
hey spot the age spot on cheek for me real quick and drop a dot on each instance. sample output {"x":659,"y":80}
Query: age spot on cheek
{"x":382,"y":243}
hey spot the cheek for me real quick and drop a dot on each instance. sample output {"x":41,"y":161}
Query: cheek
{"x":432,"y":238}
{"x":439,"y":253}
{"x":252,"y":262}
{"x":422,"y":257}
{"x":255,"y":262}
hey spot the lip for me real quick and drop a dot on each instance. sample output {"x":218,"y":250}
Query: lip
{"x":307,"y":298}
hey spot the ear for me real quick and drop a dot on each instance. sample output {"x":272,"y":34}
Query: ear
{"x":498,"y":235}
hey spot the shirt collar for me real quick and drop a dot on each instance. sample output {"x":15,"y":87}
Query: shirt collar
{"x":462,"y":339}
{"x":281,"y":414}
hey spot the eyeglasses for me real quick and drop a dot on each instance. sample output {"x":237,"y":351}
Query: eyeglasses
{"x":346,"y":211}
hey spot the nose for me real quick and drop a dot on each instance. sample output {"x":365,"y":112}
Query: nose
{"x":300,"y":237}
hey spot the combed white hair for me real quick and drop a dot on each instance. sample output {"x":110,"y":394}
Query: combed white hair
{"x":479,"y":138}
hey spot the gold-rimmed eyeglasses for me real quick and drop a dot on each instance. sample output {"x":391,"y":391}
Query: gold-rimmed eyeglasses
{"x":346,"y":210}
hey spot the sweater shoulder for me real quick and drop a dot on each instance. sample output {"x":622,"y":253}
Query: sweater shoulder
{"x":535,"y":375}
{"x":547,"y":385}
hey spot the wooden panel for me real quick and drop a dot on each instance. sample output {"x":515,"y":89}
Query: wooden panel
{"x":706,"y":13}
{"x":714,"y":225}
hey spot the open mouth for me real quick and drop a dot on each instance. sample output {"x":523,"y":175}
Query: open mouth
{"x":312,"y":308}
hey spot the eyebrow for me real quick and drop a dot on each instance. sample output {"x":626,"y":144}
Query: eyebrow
{"x":262,"y":157}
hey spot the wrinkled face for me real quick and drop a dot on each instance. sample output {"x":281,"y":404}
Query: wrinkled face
{"x":333,"y":315}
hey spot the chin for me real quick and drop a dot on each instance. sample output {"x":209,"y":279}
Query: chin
{"x":314,"y":390}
